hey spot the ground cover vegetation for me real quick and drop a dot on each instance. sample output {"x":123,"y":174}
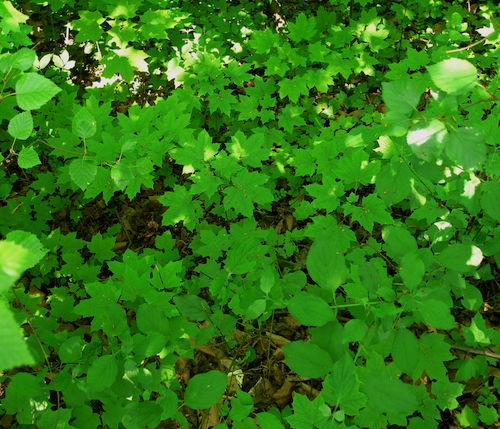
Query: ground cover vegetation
{"x":249,"y":214}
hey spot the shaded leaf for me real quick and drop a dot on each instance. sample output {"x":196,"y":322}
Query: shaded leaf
{"x":307,"y":360}
{"x":205,"y":390}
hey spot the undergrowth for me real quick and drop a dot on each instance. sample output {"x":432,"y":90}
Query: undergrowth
{"x":249,"y":214}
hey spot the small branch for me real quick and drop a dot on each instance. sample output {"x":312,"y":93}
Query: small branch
{"x":486,"y":353}
{"x":466,"y":47}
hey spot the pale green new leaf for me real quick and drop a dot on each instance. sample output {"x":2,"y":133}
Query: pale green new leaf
{"x":402,"y":96}
{"x":454,"y":75}
{"x":21,"y":126}
{"x":13,"y":349}
{"x":28,"y":158}
{"x":84,"y":124}
{"x":20,"y":251}
{"x":34,"y":90}
{"x":82,"y":172}
{"x":427,"y":139}
{"x":11,"y":17}
{"x":205,"y":390}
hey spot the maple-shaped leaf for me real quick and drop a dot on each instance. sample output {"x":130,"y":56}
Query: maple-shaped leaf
{"x":88,"y":26}
{"x":303,"y":28}
{"x":135,"y":57}
{"x":291,"y":116}
{"x":263,"y":41}
{"x":246,"y":190}
{"x":293,"y":88}
{"x":251,"y":150}
{"x":114,"y":64}
{"x":222,"y":100}
{"x":372,"y":210}
{"x":181,"y":207}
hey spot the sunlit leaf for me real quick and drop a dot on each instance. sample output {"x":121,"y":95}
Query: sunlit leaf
{"x":455,"y":76}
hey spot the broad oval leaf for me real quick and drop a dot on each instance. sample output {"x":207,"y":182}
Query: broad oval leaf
{"x":82,"y":172}
{"x":34,"y":90}
{"x":307,"y":360}
{"x":21,"y":126}
{"x":310,"y":310}
{"x":205,"y":390}
{"x":84,"y":124}
{"x":437,"y":314}
{"x":28,"y":158}
{"x":102,"y":373}
{"x":326,"y":265}
{"x":466,"y":147}
{"x":427,"y":139}
{"x":489,"y":199}
{"x":461,"y":257}
{"x":454,"y":75}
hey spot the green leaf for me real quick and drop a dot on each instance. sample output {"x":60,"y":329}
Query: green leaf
{"x":13,"y":348}
{"x":182,"y":207}
{"x":269,"y":421}
{"x":402,"y":95}
{"x":84,"y":124}
{"x":241,"y":406}
{"x":405,"y":352}
{"x":88,"y":26}
{"x":426,"y":139}
{"x":307,"y":360}
{"x":34,"y":90}
{"x":20,"y":251}
{"x":310,"y":309}
{"x":472,"y":299}
{"x":205,"y":390}
{"x":398,"y":241}
{"x":248,"y":188}
{"x":192,"y":307}
{"x":102,"y":373}
{"x":82,"y":172}
{"x":341,"y":387}
{"x":454,"y":76}
{"x":308,"y":414}
{"x":140,"y":415}
{"x":437,"y":314}
{"x":386,"y":392}
{"x":11,"y":18}
{"x":326,"y":265}
{"x":21,"y":126}
{"x":489,"y":199}
{"x":461,"y":257}
{"x":23,"y":390}
{"x":303,"y":28}
{"x":71,"y":350}
{"x":466,"y":147}
{"x":412,"y":270}
{"x":28,"y":158}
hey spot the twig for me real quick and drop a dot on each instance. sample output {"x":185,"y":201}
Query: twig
{"x":486,"y":353}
